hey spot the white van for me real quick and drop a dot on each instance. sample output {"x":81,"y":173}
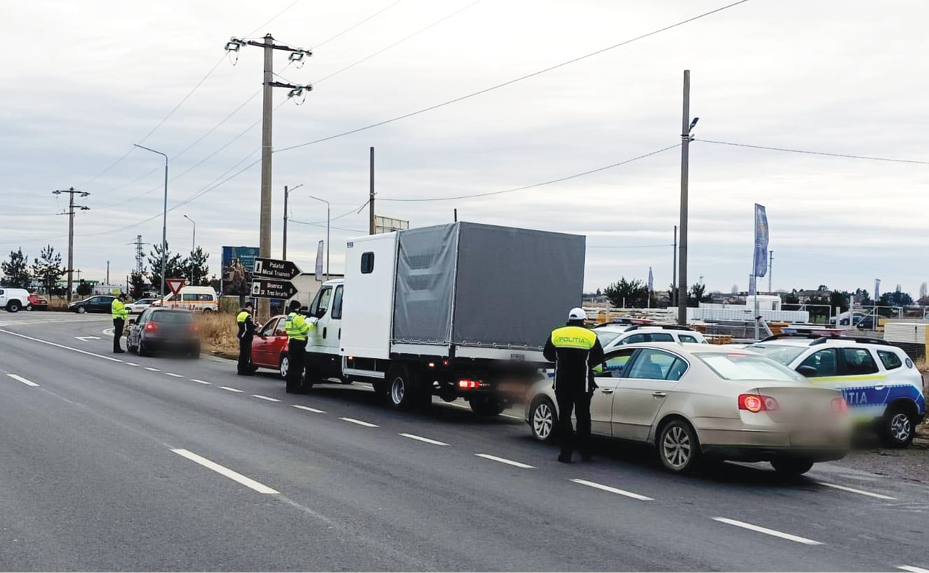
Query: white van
{"x":13,"y":299}
{"x":202,"y":298}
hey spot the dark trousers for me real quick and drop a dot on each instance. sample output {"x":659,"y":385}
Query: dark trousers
{"x":296,"y":351}
{"x":245,"y":355}
{"x":579,"y":402}
{"x":118,"y":325}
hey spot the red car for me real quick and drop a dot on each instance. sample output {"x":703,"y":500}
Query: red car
{"x":269,"y":347}
{"x":36,"y":302}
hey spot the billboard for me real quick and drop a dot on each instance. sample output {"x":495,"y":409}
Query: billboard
{"x":238,"y":264}
{"x":389,"y":225}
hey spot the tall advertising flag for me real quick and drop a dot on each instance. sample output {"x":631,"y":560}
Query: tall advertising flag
{"x":761,"y":241}
{"x":650,"y":284}
{"x":319,"y":262}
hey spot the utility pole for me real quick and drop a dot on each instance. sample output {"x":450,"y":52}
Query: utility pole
{"x":139,"y":254}
{"x":371,"y":198}
{"x":108,"y":273}
{"x":770,"y":268}
{"x":674,"y":271}
{"x":686,"y":126}
{"x":295,"y":55}
{"x":70,"y":214}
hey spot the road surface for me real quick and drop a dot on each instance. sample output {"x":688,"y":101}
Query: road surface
{"x":117,"y":462}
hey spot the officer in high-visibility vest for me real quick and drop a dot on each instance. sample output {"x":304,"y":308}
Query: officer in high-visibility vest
{"x":120,"y":314}
{"x":246,"y":334}
{"x":575,"y":350}
{"x":298,"y":330}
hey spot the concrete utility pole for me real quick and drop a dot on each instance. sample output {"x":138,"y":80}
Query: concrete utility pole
{"x":296,"y":55}
{"x":371,"y":198}
{"x":686,"y":126}
{"x":108,"y":273}
{"x":770,"y":268}
{"x":70,"y":214}
{"x":674,"y":271}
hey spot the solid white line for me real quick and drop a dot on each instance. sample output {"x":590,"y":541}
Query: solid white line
{"x":131,"y":364}
{"x":912,"y":569}
{"x":230,"y":389}
{"x":422,"y":439}
{"x":767,"y":531}
{"x":308,"y":409}
{"x":173,"y":374}
{"x":360,"y":422}
{"x":199,"y":381}
{"x":234,"y":476}
{"x":152,"y":369}
{"x":504,"y":461}
{"x":858,"y":491}
{"x":260,"y":397}
{"x":23,"y":380}
{"x":61,"y":345}
{"x":613,"y":490}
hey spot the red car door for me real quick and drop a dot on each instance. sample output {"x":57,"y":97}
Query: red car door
{"x":277,"y":344}
{"x":260,"y":352}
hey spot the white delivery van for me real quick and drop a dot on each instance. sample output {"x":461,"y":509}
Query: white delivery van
{"x":202,"y":298}
{"x":457,"y":310}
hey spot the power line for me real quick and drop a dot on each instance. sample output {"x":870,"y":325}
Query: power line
{"x":629,"y":246}
{"x":559,"y":180}
{"x":278,"y":15}
{"x":350,"y":28}
{"x":324,"y":225}
{"x":513,"y":81}
{"x":814,"y":152}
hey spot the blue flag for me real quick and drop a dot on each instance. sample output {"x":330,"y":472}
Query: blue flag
{"x":761,"y":241}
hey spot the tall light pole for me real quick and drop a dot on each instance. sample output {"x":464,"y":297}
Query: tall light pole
{"x":286,"y":197}
{"x":164,"y":220}
{"x":193,"y":246}
{"x":327,"y":233}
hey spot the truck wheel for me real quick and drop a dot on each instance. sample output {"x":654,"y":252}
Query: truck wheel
{"x":485,"y":406}
{"x":13,"y":306}
{"x":399,"y":387}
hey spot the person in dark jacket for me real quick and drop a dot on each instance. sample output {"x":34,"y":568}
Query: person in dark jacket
{"x":575,"y":350}
{"x":246,"y":334}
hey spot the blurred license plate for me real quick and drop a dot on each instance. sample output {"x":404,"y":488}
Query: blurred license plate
{"x":512,"y":387}
{"x":808,"y":439}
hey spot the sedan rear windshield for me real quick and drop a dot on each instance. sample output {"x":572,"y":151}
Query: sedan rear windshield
{"x":779,"y":352}
{"x":173,"y":317}
{"x":749,"y":367}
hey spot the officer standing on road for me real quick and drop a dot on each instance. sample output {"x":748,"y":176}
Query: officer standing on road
{"x":575,"y":350}
{"x":246,"y":334}
{"x":120,"y":314}
{"x":298,"y":329}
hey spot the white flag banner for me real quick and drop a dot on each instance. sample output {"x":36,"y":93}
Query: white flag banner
{"x":319,"y":262}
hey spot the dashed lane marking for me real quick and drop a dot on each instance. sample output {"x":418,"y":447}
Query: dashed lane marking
{"x":308,"y":409}
{"x":200,"y":381}
{"x":131,"y":364}
{"x":23,"y":380}
{"x":152,"y":369}
{"x":174,"y":375}
{"x":360,"y":422}
{"x":224,"y":471}
{"x":612,"y":490}
{"x":422,"y":439}
{"x":766,"y":531}
{"x":230,"y":389}
{"x":260,"y":397}
{"x":505,"y":461}
{"x":858,"y":491}
{"x":912,"y":569}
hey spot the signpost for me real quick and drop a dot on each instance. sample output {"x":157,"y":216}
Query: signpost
{"x":275,"y":269}
{"x":268,"y":288}
{"x":272,"y":278}
{"x":175,"y":285}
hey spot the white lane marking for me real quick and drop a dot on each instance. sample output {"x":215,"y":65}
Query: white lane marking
{"x":86,"y":338}
{"x":260,"y":397}
{"x":60,"y":345}
{"x":173,"y":374}
{"x":767,"y":531}
{"x":422,"y":439}
{"x":108,"y":331}
{"x":360,"y":422}
{"x":520,"y":418}
{"x":912,"y":569}
{"x":152,"y":369}
{"x":612,"y":490}
{"x":23,"y":380}
{"x":308,"y":409}
{"x":200,"y":381}
{"x":234,"y":476}
{"x":858,"y":491}
{"x":505,"y":461}
{"x":131,"y":364}
{"x":230,"y":389}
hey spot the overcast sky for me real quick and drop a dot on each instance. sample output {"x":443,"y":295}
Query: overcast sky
{"x":82,"y":81}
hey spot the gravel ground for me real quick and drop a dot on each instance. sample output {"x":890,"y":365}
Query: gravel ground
{"x":911,"y":464}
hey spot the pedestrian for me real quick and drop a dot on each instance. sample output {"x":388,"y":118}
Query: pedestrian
{"x":120,"y":314}
{"x":298,"y":329}
{"x":246,"y":334}
{"x":575,"y":350}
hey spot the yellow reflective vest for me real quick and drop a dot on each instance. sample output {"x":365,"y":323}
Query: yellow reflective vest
{"x":297,"y":326}
{"x":118,"y":310}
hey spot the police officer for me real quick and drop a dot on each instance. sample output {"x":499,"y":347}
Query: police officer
{"x":298,"y":329}
{"x":120,"y":314}
{"x":246,"y":334}
{"x":575,"y":350}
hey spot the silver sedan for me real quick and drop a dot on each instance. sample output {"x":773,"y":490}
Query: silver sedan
{"x":694,"y":401}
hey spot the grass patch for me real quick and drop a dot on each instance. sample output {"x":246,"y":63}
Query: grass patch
{"x":218,"y":333}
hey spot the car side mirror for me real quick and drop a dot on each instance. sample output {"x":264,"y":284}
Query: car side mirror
{"x":321,"y":312}
{"x":807,"y":371}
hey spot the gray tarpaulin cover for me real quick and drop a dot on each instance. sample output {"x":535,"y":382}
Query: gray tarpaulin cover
{"x":483,"y":285}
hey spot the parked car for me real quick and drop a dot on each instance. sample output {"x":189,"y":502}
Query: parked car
{"x":858,"y":320}
{"x":100,"y":303}
{"x":269,"y":347}
{"x":37,"y":302}
{"x":881,"y":384}
{"x":13,"y":299}
{"x":140,"y":305}
{"x":694,"y":400}
{"x":202,"y":298}
{"x":164,"y":330}
{"x":613,"y":335}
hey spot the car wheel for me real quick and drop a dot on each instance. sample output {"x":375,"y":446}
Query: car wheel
{"x":486,"y":406}
{"x":284,"y":366}
{"x":29,"y":307}
{"x":399,"y":386}
{"x":12,"y":306}
{"x":543,"y":420}
{"x":81,"y":310}
{"x":792,"y":466}
{"x":195,"y":352}
{"x":678,"y":448}
{"x":142,"y":350}
{"x":897,"y":428}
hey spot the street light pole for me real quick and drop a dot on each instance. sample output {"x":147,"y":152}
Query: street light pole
{"x":286,"y":197}
{"x":164,"y":219}
{"x":327,"y":233}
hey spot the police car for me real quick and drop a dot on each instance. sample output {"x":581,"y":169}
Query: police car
{"x":878,"y":380}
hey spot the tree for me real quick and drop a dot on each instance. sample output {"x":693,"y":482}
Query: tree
{"x":174,"y":266}
{"x":792,"y":298}
{"x":629,"y":294}
{"x":863,"y":297}
{"x":16,"y":271}
{"x":47,"y":269}
{"x":697,"y":294}
{"x":839,"y":299}
{"x":197,"y":269}
{"x":84,"y":288}
{"x":137,"y":282}
{"x":896,"y":298}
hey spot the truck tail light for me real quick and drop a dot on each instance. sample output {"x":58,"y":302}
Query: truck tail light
{"x":469,"y":384}
{"x":757,"y":403}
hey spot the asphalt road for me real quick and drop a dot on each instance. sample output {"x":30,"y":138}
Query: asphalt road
{"x":117,"y":462}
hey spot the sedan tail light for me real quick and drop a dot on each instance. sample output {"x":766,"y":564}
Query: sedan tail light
{"x":839,"y":406}
{"x":757,"y":403}
{"x":151,"y":327}
{"x":194,"y":329}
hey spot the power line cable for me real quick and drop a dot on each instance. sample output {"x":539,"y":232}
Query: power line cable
{"x":350,"y":28}
{"x":513,"y":81}
{"x":629,"y":246}
{"x":323,"y":225}
{"x":278,"y":15}
{"x":814,"y":152}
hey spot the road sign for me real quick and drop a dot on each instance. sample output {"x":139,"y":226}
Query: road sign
{"x":175,"y":285}
{"x":275,"y":269}
{"x":268,"y":288}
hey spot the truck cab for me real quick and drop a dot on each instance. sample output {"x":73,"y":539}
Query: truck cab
{"x":322,"y":346}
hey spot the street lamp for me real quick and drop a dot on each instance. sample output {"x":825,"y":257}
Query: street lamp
{"x":327,"y":233}
{"x":164,"y":219}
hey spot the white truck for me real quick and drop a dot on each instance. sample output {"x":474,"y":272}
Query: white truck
{"x":456,"y":310}
{"x":13,"y":299}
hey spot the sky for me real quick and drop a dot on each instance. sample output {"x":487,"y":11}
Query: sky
{"x":847,"y":77}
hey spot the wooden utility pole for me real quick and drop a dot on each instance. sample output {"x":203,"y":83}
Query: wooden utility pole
{"x":371,"y":198}
{"x":70,"y":214}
